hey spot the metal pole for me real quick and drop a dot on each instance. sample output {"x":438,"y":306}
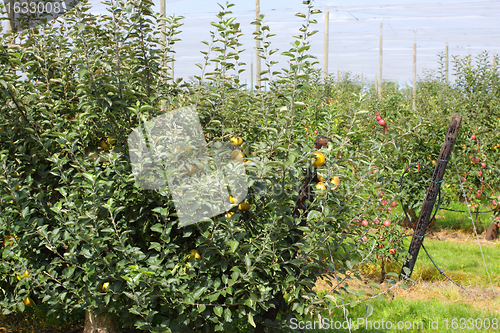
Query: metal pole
{"x":380,"y":64}
{"x":431,"y":196}
{"x":257,"y":14}
{"x":325,"y":51}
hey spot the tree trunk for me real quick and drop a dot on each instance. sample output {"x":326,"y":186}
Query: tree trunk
{"x":102,"y":323}
{"x":412,"y":215}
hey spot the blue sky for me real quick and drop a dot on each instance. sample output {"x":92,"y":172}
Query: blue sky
{"x":467,"y":26}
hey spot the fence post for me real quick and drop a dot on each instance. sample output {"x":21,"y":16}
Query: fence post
{"x":257,"y":45}
{"x":325,"y":50}
{"x":430,"y":198}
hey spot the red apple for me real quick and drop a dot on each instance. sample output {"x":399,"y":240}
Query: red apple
{"x":380,"y":246}
{"x":470,"y":188}
{"x":497,"y":217}
{"x":479,"y":191}
{"x":365,"y":238}
{"x":378,"y":113}
{"x":379,"y":256}
{"x":376,"y":221}
{"x":389,"y":210}
{"x":387,"y":259}
{"x":483,"y":165}
{"x":392,"y":251}
{"x":394,"y":203}
{"x":469,"y":199}
{"x":364,"y":223}
{"x":474,"y":207}
{"x":381,"y":122}
{"x":478,"y":196}
{"x":473,"y":137}
{"x":494,"y":202}
{"x":480,"y":173}
{"x":315,"y":131}
{"x":378,"y":118}
{"x":384,"y":202}
{"x":463,"y":180}
{"x":387,"y":223}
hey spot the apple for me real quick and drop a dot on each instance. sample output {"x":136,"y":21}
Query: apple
{"x":479,"y":191}
{"x":470,"y":188}
{"x":469,"y":199}
{"x":480,"y":173}
{"x":478,"y":196}
{"x":378,"y":118}
{"x":381,"y":122}
{"x":329,"y":101}
{"x":376,"y":221}
{"x":463,"y":180}
{"x":474,"y":207}
{"x":387,"y":259}
{"x":497,"y":217}
{"x":364,"y":223}
{"x":389,"y":210}
{"x":384,"y":202}
{"x":483,"y":165}
{"x":380,"y":246}
{"x":494,"y":202}
{"x":379,"y":256}
{"x":378,"y":113}
{"x":315,"y":131}
{"x":392,"y":251}
{"x":365,"y":238}
{"x":473,"y":137}
{"x":394,"y":203}
{"x":387,"y":223}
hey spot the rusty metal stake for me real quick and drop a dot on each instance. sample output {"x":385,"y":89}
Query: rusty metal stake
{"x":430,"y":198}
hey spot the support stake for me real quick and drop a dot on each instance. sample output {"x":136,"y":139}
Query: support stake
{"x":430,"y":197}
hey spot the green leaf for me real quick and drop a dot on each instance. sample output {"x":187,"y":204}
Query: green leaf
{"x":250,"y":319}
{"x":218,"y":311}
{"x":368,"y":310}
{"x":234,"y":245}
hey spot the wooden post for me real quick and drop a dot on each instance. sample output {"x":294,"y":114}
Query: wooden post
{"x":325,"y":50}
{"x":380,"y":64}
{"x":468,"y":57}
{"x":338,"y":76}
{"x":494,"y":67}
{"x":257,"y":68}
{"x":414,"y":76}
{"x":446,"y":66}
{"x":251,"y":76}
{"x":395,"y":83}
{"x":361,"y":81}
{"x":10,"y":16}
{"x":430,"y":197}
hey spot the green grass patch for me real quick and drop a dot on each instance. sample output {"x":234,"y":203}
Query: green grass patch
{"x":403,"y":315}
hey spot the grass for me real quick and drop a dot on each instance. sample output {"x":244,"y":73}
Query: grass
{"x":412,"y":316}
